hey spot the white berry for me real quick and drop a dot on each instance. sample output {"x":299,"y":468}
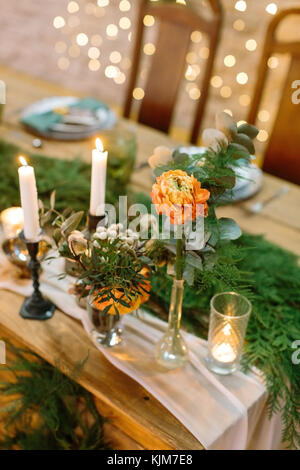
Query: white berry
{"x":112,"y":233}
{"x":102,"y":236}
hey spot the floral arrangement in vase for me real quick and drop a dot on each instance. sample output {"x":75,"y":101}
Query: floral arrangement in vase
{"x":187,"y":190}
{"x":113,"y":271}
{"x":113,"y":265}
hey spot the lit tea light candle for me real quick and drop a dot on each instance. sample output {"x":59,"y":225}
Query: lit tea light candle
{"x":229,"y":315}
{"x":29,"y":200}
{"x":223,"y":351}
{"x":98,"y":179}
{"x":12,"y":221}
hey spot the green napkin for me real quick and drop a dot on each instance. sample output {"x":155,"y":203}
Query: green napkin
{"x":43,"y":122}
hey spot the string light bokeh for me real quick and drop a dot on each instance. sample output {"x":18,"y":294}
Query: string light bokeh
{"x":234,"y":77}
{"x":87,"y":45}
{"x":236,"y":63}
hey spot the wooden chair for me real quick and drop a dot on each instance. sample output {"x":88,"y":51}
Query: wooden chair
{"x":282,"y":157}
{"x":176,"y":23}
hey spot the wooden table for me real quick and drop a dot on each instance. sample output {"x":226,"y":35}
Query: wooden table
{"x":137,"y":420}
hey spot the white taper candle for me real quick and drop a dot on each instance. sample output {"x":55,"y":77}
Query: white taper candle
{"x":98,"y":179}
{"x":29,"y":201}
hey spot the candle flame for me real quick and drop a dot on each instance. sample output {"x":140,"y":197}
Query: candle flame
{"x":99,"y":145}
{"x":22,"y":160}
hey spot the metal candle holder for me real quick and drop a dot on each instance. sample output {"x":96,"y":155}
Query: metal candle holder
{"x":35,"y":307}
{"x":94,"y":220}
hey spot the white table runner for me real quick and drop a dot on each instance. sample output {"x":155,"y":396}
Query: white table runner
{"x":222,"y":412}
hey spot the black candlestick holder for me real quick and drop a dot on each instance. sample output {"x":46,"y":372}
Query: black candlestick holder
{"x":35,"y":307}
{"x":94,"y":220}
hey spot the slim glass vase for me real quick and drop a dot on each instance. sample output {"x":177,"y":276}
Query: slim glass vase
{"x":171,"y":351}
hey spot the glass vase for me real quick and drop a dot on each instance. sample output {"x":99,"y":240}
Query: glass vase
{"x":107,"y":331}
{"x":171,"y":351}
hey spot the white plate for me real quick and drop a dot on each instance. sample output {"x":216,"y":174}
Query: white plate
{"x":248,"y":182}
{"x":105,"y":119}
{"x":254,"y":177}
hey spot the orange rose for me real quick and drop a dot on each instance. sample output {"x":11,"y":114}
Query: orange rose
{"x":179,"y":196}
{"x":134,"y":302}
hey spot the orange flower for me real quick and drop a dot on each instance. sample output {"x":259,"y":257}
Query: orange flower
{"x":179,"y":196}
{"x":135,"y":301}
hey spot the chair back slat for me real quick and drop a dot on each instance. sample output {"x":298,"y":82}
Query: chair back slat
{"x":165,"y":76}
{"x":168,"y":64}
{"x":282,"y":157}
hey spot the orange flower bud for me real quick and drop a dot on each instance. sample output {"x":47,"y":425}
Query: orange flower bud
{"x":179,"y":196}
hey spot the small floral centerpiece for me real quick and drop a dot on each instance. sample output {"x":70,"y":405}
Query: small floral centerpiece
{"x":187,"y":190}
{"x":114,"y":272}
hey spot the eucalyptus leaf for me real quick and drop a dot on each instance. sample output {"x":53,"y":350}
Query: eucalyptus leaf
{"x":248,"y":129}
{"x":226,"y":124}
{"x":171,"y":247}
{"x":212,"y":229}
{"x":214,"y":238}
{"x":207,"y":249}
{"x":207,"y":236}
{"x":189,"y":274}
{"x":194,"y":260}
{"x":176,"y":153}
{"x":209,"y":260}
{"x":181,"y":158}
{"x":158,"y":171}
{"x":245,"y":141}
{"x":238,"y":151}
{"x":228,"y":229}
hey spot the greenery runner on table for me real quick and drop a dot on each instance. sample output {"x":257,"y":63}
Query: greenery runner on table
{"x":47,"y":410}
{"x":70,"y":179}
{"x":268,"y":275}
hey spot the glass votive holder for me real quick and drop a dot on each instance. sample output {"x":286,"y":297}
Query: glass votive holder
{"x":229,"y":317}
{"x":12,"y":222}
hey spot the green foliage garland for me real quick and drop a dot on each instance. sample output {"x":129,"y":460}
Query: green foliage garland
{"x":70,"y":179}
{"x":60,"y":403}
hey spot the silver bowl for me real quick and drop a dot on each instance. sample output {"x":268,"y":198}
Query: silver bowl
{"x":16,"y":251}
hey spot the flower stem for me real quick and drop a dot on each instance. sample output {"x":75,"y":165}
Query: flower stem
{"x":179,"y":259}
